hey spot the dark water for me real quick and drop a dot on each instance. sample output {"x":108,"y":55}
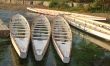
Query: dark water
{"x":85,"y":52}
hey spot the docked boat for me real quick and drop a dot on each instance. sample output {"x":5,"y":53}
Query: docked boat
{"x":62,"y":38}
{"x":20,"y":34}
{"x":93,"y":27}
{"x":40,"y":36}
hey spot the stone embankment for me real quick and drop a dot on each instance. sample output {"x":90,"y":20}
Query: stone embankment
{"x":4,"y":30}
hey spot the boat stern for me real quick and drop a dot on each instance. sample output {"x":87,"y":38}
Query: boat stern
{"x":38,"y":57}
{"x":66,"y":59}
{"x":23,"y":55}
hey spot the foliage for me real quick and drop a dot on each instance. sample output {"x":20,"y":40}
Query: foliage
{"x":58,"y":4}
{"x":100,"y":6}
{"x":82,"y":1}
{"x":94,"y":5}
{"x":53,"y":4}
{"x":87,"y":54}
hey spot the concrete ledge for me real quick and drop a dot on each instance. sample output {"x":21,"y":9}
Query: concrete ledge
{"x":4,"y":30}
{"x":4,"y":33}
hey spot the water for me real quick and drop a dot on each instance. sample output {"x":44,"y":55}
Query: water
{"x":85,"y":52}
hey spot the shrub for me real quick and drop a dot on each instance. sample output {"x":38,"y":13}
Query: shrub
{"x":54,"y":3}
{"x":58,"y":4}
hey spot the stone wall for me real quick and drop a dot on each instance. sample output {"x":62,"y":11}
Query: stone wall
{"x":7,"y":1}
{"x":44,"y":3}
{"x":21,"y":2}
{"x":37,"y":2}
{"x":27,"y":2}
{"x":80,"y":4}
{"x":2,"y":1}
{"x":4,"y":33}
{"x":13,"y":2}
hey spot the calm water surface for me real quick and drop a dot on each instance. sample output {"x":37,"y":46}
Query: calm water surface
{"x":85,"y":52}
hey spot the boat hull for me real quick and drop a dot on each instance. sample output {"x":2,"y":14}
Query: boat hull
{"x":40,"y":36}
{"x":89,"y":27}
{"x":64,"y":59}
{"x":20,"y":34}
{"x":62,"y":38}
{"x":93,"y":32}
{"x":21,"y":54}
{"x":40,"y":57}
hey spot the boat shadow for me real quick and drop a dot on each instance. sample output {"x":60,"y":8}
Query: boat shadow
{"x":29,"y":61}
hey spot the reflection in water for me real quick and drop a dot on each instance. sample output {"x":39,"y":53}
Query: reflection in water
{"x":5,"y":15}
{"x":100,"y":42}
{"x":16,"y":61}
{"x":5,"y":53}
{"x":56,"y":59}
{"x":85,"y":52}
{"x":50,"y":58}
{"x":30,"y":61}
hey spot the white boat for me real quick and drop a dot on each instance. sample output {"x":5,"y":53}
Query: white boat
{"x":93,"y":27}
{"x":20,"y":34}
{"x":40,"y":36}
{"x":62,"y":38}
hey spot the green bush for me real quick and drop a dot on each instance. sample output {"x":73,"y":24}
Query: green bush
{"x":94,"y":6}
{"x":58,"y":4}
{"x":100,"y":6}
{"x":54,"y":4}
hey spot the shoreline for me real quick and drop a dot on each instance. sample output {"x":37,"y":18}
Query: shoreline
{"x":13,"y":7}
{"x":20,"y":7}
